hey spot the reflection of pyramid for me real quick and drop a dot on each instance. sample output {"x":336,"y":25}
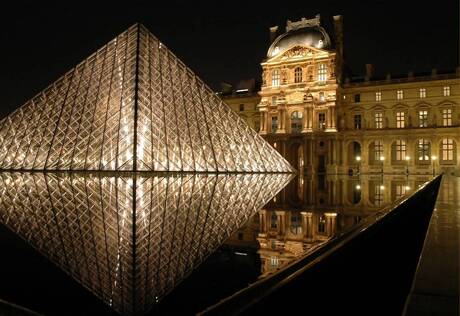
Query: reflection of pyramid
{"x":132,"y":105}
{"x":131,"y":239}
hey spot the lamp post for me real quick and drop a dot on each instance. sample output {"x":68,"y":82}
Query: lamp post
{"x":358,"y":159}
{"x":433,"y":158}
{"x":407,"y":167}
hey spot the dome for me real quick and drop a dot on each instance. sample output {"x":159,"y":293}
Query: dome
{"x":308,"y":36}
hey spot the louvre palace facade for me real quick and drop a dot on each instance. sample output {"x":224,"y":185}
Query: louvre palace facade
{"x":323,"y":121}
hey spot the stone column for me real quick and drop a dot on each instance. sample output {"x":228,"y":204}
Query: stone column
{"x":262,"y":221}
{"x":281,"y":120}
{"x":331,"y":223}
{"x":263,"y":122}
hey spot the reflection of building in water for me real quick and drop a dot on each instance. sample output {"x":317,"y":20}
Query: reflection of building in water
{"x":130,"y":239}
{"x":311,"y":210}
{"x":320,"y":120}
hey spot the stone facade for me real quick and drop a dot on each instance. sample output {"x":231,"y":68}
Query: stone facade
{"x":323,"y":122}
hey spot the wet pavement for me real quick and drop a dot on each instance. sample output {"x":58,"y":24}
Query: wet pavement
{"x":436,"y":286}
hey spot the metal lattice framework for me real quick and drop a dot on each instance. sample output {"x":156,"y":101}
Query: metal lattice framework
{"x":131,"y":239}
{"x":132,"y":105}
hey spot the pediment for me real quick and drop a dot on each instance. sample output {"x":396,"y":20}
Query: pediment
{"x":299,"y":51}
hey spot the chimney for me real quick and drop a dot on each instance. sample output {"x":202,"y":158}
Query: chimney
{"x":410,"y":75}
{"x":434,"y":72}
{"x":369,"y":71}
{"x":339,"y":62}
{"x":273,"y":33}
{"x":388,"y":77}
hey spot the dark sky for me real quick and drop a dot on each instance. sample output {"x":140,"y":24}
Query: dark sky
{"x":219,"y":40}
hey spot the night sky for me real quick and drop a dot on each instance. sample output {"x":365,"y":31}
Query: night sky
{"x":220,"y":40}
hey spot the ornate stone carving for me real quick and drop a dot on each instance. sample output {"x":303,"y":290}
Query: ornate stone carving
{"x":303,"y":23}
{"x":298,"y":51}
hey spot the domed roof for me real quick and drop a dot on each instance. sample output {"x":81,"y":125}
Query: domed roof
{"x":314,"y":36}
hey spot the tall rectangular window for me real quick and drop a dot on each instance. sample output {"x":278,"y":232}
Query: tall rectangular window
{"x":378,"y":197}
{"x":274,"y":124}
{"x":447,"y":149}
{"x":400,"y":120}
{"x":275,"y":77}
{"x":378,"y":150}
{"x":322,"y":73}
{"x":274,"y":98}
{"x":357,"y":98}
{"x":423,"y":150}
{"x":322,"y":120}
{"x":446,"y":90}
{"x":378,"y":96}
{"x":422,"y":93}
{"x":298,"y":75}
{"x":447,"y":117}
{"x":400,"y":94}
{"x":357,"y":121}
{"x":400,"y":191}
{"x":423,"y":118}
{"x":241,"y":107}
{"x":400,"y":150}
{"x":378,"y":120}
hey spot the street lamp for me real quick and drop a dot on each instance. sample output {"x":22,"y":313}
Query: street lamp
{"x":358,"y":159}
{"x":433,"y":158}
{"x":382,"y":159}
{"x":407,"y":159}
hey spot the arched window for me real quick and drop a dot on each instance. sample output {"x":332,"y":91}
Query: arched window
{"x":276,"y":78}
{"x":296,"y":122}
{"x":447,"y":149}
{"x":423,"y":153}
{"x":322,"y":72}
{"x":298,"y":75}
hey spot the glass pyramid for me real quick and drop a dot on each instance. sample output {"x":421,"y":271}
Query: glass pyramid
{"x":131,"y":239}
{"x":132,"y":105}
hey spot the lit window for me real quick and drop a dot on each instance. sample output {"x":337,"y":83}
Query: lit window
{"x":422,"y":93}
{"x":378,"y":150}
{"x":423,"y":118}
{"x":274,"y":262}
{"x":400,"y":120}
{"x":447,"y":148}
{"x":357,"y":121}
{"x":447,"y":117}
{"x":321,"y":97}
{"x":322,"y":72}
{"x":241,"y":107}
{"x":378,"y":96}
{"x":322,"y":224}
{"x":322,"y":120}
{"x":400,"y":94}
{"x":378,"y":197}
{"x":446,"y":91}
{"x":400,"y":191}
{"x":296,"y":122}
{"x":274,"y":124}
{"x":276,"y":78}
{"x":400,"y":149}
{"x":378,"y":119}
{"x":423,"y":150}
{"x":357,"y":98}
{"x":298,"y":75}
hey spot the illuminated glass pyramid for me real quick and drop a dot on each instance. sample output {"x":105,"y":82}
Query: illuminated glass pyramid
{"x":132,"y":105}
{"x":131,"y":239}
